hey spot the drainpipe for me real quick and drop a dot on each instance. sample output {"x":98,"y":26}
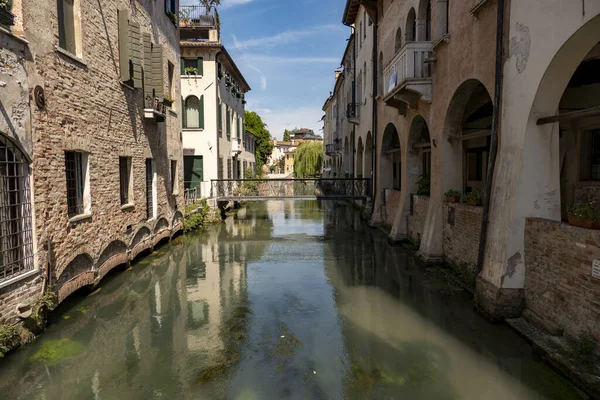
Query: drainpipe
{"x":494,"y":138}
{"x":374,"y":98}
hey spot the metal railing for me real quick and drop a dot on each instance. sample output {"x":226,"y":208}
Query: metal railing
{"x":302,"y":188}
{"x":197,"y":16}
{"x":333,"y":149}
{"x":191,"y":196}
{"x":353,"y":111}
{"x":407,"y":64}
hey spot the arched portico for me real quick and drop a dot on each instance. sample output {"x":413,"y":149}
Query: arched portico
{"x":368,"y":157}
{"x":359,"y":159}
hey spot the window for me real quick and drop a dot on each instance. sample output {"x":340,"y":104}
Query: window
{"x":174,"y":185}
{"x":150,"y":189}
{"x":228,"y":122}
{"x":67,"y":11}
{"x":220,"y":119}
{"x":192,"y":64}
{"x":220,"y":168}
{"x":590,"y":155}
{"x":16,"y":238}
{"x":126,"y":180}
{"x":76,"y":169}
{"x":193,"y":116}
{"x":171,"y":72}
{"x":229,"y":168}
{"x":365,"y":26}
{"x":171,"y":6}
{"x":475,"y":164}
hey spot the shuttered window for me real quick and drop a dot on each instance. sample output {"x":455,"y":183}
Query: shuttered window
{"x":228,"y":122}
{"x":220,"y":168}
{"x":229,"y":168}
{"x":194,"y":113}
{"x":157,"y":71}
{"x":220,"y":119}
{"x":135,"y":38}
{"x":192,"y":63}
{"x":124,"y":62}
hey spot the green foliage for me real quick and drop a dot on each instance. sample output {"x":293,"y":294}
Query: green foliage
{"x":190,"y":71}
{"x":195,"y":214}
{"x":264,"y":146}
{"x":474,"y":196}
{"x":5,"y":4}
{"x":9,"y":339}
{"x":452,"y":193}
{"x":585,"y":211}
{"x":210,"y":4}
{"x":424,"y":185}
{"x":55,"y":351}
{"x":287,"y":136}
{"x":308,"y":160}
{"x":173,"y":17}
{"x":44,"y":304}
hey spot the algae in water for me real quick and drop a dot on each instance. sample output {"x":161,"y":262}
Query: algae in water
{"x":53,"y":352}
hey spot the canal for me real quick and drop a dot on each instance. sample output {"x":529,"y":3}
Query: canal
{"x":294,"y":300}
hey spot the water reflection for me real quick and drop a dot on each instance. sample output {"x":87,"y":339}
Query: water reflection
{"x":287,"y":300}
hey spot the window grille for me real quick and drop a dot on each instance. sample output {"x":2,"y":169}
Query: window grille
{"x":173,"y":176}
{"x":125,"y":178}
{"x":75,"y":182}
{"x":149,"y":189}
{"x":229,"y":167}
{"x":220,"y":168}
{"x":16,"y":237}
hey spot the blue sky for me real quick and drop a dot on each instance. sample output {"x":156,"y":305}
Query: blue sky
{"x":288,"y":51}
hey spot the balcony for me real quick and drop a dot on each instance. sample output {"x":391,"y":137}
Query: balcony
{"x":353,"y":113}
{"x":198,"y":17}
{"x":236,"y":147}
{"x":155,"y":109}
{"x":407,"y":77}
{"x":334,"y":149}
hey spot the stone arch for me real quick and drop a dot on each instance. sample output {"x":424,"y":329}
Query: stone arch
{"x":419,"y":150}
{"x":177,"y":223}
{"x":390,"y":169}
{"x":114,"y":254}
{"x":424,"y":21}
{"x":464,"y":162}
{"x":77,"y":274}
{"x":410,"y":31}
{"x":161,"y":225}
{"x":398,"y":40}
{"x":368,"y":157}
{"x":141,"y":241}
{"x":359,"y":158}
{"x":161,"y":231}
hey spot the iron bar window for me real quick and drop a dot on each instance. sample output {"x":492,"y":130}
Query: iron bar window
{"x":16,"y":233}
{"x":75,"y":182}
{"x":173,"y":176}
{"x":149,"y":188}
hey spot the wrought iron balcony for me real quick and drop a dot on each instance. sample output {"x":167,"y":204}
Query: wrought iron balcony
{"x":334,"y":149}
{"x":353,"y":112}
{"x":408,"y":77}
{"x":155,"y":109}
{"x":191,"y":17}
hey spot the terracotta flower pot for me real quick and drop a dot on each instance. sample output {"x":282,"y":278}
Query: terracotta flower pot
{"x":453,"y":199}
{"x":474,"y":203}
{"x":574,"y":221}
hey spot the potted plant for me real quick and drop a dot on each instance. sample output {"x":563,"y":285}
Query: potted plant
{"x":173,"y":17}
{"x":452,"y":196}
{"x":6,"y":18}
{"x":584,"y":215}
{"x":190,"y":71}
{"x":424,"y":185}
{"x":474,"y":198}
{"x":167,"y":101}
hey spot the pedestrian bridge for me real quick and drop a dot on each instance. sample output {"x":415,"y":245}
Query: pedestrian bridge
{"x":304,"y":189}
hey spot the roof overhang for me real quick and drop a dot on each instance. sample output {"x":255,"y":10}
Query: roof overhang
{"x":230,"y":65}
{"x":353,"y":7}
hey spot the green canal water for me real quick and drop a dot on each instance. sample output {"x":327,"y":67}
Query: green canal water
{"x":295,"y":300}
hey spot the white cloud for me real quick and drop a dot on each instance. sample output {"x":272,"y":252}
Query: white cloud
{"x":303,"y":117}
{"x":263,"y":77}
{"x":285,"y":37}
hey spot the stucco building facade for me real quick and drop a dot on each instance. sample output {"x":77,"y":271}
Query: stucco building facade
{"x":92,"y":165}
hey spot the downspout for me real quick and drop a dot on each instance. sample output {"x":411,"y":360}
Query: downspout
{"x":374,"y":98}
{"x":494,"y":138}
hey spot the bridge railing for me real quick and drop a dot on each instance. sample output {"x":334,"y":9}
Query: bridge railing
{"x":290,"y":188}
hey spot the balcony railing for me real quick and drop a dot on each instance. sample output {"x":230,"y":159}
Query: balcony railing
{"x":155,"y":109}
{"x":236,"y":146}
{"x":197,"y":17}
{"x":406,"y":66}
{"x":333,"y":149}
{"x":353,"y":111}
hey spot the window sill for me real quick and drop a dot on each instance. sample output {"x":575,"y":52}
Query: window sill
{"x":445,"y":38}
{"x":80,"y":218}
{"x":175,"y":193}
{"x":18,"y":278}
{"x":127,"y":86}
{"x":172,"y":112}
{"x":191,"y":76}
{"x":192,"y":129}
{"x":480,"y":4}
{"x":12,"y":35}
{"x":127,"y":207}
{"x":70,"y":55}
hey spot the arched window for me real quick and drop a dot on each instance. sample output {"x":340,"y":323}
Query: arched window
{"x":398,"y":43}
{"x":193,"y":116}
{"x":16,"y":239}
{"x":411,"y":26}
{"x":428,"y":22}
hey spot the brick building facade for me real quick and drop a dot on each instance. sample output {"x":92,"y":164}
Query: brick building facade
{"x":103,"y":150}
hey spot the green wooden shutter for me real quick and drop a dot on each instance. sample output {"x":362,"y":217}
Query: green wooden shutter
{"x":201,"y":112}
{"x":157,"y":71}
{"x":183,"y":113}
{"x":182,"y":63}
{"x":220,"y":117}
{"x":200,"y":66}
{"x":228,"y":120}
{"x":136,"y":58}
{"x":123,"y":17}
{"x":147,"y":65}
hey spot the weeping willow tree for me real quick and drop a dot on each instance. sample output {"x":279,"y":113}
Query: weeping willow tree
{"x":308,"y":160}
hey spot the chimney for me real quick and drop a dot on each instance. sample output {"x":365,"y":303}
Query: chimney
{"x":337,"y":73}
